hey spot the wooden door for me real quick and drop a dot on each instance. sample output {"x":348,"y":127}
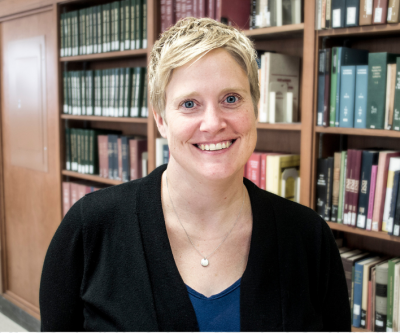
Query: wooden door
{"x":30,"y":136}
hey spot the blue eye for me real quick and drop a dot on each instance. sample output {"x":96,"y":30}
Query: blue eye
{"x":189,"y":104}
{"x":231,"y":99}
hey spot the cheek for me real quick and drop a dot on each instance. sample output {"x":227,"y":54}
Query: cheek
{"x":180,"y":132}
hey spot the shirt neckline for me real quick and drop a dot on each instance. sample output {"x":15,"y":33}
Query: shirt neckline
{"x":223,"y":293}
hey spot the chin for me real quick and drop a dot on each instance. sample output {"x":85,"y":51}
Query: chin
{"x":218,"y":172}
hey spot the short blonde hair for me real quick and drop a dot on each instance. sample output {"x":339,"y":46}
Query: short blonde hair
{"x":190,"y":38}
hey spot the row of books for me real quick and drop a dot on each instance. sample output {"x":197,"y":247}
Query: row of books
{"x":117,"y":92}
{"x":358,"y":89}
{"x":279,"y":77}
{"x":116,"y":26}
{"x":352,"y":13}
{"x":360,"y":188}
{"x":73,"y":191}
{"x":106,"y":153}
{"x":373,"y":283}
{"x":271,"y":13}
{"x":278,"y":173}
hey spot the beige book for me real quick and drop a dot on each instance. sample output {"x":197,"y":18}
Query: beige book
{"x":372,"y":318}
{"x":390,"y":88}
{"x":323,"y":14}
{"x":276,"y":165}
{"x":393,"y":11}
{"x":396,"y":298}
{"x":366,"y":7}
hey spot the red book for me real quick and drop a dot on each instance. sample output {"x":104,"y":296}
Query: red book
{"x":254,"y":168}
{"x":74,"y":193}
{"x":136,"y":148}
{"x":231,"y":12}
{"x":119,"y":143}
{"x":189,"y":8}
{"x":202,"y":8}
{"x":211,"y":9}
{"x":81,"y":191}
{"x":379,"y":12}
{"x":169,"y":14}
{"x":380,"y":188}
{"x":66,"y":186}
{"x":356,"y":186}
{"x":347,"y":194}
{"x":103,"y":155}
{"x":163,"y":14}
{"x":178,"y":9}
{"x":88,"y":189}
{"x":263,"y":171}
{"x":195,"y":5}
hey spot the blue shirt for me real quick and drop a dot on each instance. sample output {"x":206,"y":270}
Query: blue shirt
{"x":220,"y":312}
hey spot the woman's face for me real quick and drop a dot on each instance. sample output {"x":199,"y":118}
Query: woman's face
{"x":209,"y":118}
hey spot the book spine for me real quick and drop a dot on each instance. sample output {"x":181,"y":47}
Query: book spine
{"x":390,"y":289}
{"x":327,"y":88}
{"x":121,"y":36}
{"x":394,"y":166}
{"x":369,"y":307}
{"x":66,"y":186}
{"x":321,"y":86}
{"x":338,"y":85}
{"x":360,"y":107}
{"x":328,"y":12}
{"x":125,"y":158}
{"x":144,"y":24}
{"x":348,"y":80}
{"x":329,"y":181}
{"x":323,"y":14}
{"x":263,"y":172}
{"x":396,"y":112}
{"x":371,"y":200}
{"x":334,"y":74}
{"x":358,"y":280}
{"x":380,"y":12}
{"x":336,"y":186}
{"x":119,"y":150}
{"x":338,"y":13}
{"x":366,"y":9}
{"x":349,"y":183}
{"x":133,"y":23}
{"x":343,"y":167}
{"x":321,"y":186}
{"x":356,"y":187}
{"x":352,"y":13}
{"x":134,"y":159}
{"x":396,"y":222}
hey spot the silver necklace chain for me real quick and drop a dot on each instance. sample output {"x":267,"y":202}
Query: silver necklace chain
{"x":204,"y":261}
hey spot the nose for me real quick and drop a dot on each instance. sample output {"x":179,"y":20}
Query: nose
{"x":213,"y":119}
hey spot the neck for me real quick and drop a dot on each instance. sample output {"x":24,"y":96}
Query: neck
{"x":201,"y":202}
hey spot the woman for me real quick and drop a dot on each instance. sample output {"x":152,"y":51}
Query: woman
{"x":194,"y":246}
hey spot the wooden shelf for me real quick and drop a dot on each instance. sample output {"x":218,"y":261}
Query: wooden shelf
{"x":358,"y":131}
{"x":93,"y":178}
{"x":367,"y":30}
{"x":363,"y":232}
{"x":358,"y":329}
{"x":106,"y":119}
{"x":106,"y":55}
{"x":286,"y":31}
{"x":280,"y":126}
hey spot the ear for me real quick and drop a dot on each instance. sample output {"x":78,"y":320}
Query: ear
{"x":160,"y":124}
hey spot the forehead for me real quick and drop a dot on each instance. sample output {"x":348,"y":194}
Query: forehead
{"x":213,"y":72}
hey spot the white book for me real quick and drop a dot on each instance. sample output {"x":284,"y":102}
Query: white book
{"x":145,"y":43}
{"x":394,"y":165}
{"x":262,"y":115}
{"x":272,"y":107}
{"x":277,"y":109}
{"x":396,"y":298}
{"x":296,"y":11}
{"x":127,"y":44}
{"x":289,"y":107}
{"x":144,"y":163}
{"x":278,"y":13}
{"x":318,"y":14}
{"x":160,"y":142}
{"x":89,"y":110}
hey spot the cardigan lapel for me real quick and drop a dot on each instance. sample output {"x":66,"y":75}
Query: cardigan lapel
{"x":260,"y":292}
{"x":173,"y":306}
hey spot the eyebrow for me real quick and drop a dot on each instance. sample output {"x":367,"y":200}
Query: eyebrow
{"x":223,"y":91}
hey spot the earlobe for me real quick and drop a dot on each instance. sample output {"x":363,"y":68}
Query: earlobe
{"x":160,"y":124}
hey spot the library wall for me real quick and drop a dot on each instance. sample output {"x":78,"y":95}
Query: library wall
{"x":31,"y":195}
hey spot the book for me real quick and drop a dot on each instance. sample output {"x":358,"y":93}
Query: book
{"x":380,"y":188}
{"x":321,"y":86}
{"x":290,"y":184}
{"x":360,"y":105}
{"x":394,"y":165}
{"x":381,"y":297}
{"x":390,"y":91}
{"x":336,"y":186}
{"x":276,"y":164}
{"x":377,"y":76}
{"x":338,"y":13}
{"x":103,"y":155}
{"x":160,"y":142}
{"x":393,"y":11}
{"x":390,"y":291}
{"x":355,"y":187}
{"x":66,"y":188}
{"x":352,"y":13}
{"x":253,"y":168}
{"x":349,"y":258}
{"x":366,"y":9}
{"x":380,"y":12}
{"x":369,"y":159}
{"x":395,"y":295}
{"x":342,"y":186}
{"x":396,"y":221}
{"x":347,"y":93}
{"x":371,"y":200}
{"x":348,"y":187}
{"x":327,"y":87}
{"x":371,"y":322}
{"x":233,"y":12}
{"x":136,"y":148}
{"x":396,"y":106}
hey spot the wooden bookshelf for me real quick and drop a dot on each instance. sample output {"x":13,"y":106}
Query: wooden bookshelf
{"x":284,"y":31}
{"x":93,"y":178}
{"x":106,"y":55}
{"x":106,"y":119}
{"x":364,"y":31}
{"x":358,"y":131}
{"x":280,"y":126}
{"x":358,"y":329}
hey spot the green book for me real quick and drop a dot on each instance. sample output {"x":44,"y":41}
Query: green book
{"x":65,"y":91}
{"x":133,"y":25}
{"x":94,"y":29}
{"x":377,"y":70}
{"x":334,"y":74}
{"x":144,"y":36}
{"x":78,"y":149}
{"x":97,"y":92}
{"x":342,"y":186}
{"x":74,"y":26}
{"x":122,"y":26}
{"x":69,"y":83}
{"x":390,"y":293}
{"x":111,"y":96}
{"x":144,"y":111}
{"x":140,"y":89}
{"x":79,"y":97}
{"x":62,"y":39}
{"x":82,"y":31}
{"x":106,"y":27}
{"x":67,"y":148}
{"x":116,"y":92}
{"x":121,"y":75}
{"x":87,"y":152}
{"x":89,"y":92}
{"x":139,"y":23}
{"x":99,"y":27}
{"x":68,"y":35}
{"x":396,"y":113}
{"x":127,"y":29}
{"x":73,"y":90}
{"x":133,"y":112}
{"x":127,"y":90}
{"x":104,"y":92}
{"x":113,"y":28}
{"x":91,"y":28}
{"x":82,"y":78}
{"x":74,"y":159}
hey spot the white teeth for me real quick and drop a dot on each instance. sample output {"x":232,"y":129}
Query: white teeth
{"x":215,"y":146}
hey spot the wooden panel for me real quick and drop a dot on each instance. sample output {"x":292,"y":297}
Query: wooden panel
{"x":27,"y":107}
{"x":278,"y":141}
{"x":28,"y":195}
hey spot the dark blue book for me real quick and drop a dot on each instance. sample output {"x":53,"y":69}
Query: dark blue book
{"x":125,"y":158}
{"x":368,"y":159}
{"x":112,"y":161}
{"x":321,"y":86}
{"x":165,"y":154}
{"x":393,"y":202}
{"x":357,"y":291}
{"x":352,"y":13}
{"x":338,"y":13}
{"x":360,"y":106}
{"x":347,"y":89}
{"x":347,"y":57}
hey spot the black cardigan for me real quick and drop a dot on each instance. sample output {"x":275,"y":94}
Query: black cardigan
{"x":110,"y":267}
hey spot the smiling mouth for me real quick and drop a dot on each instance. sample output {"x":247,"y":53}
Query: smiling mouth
{"x":215,"y":146}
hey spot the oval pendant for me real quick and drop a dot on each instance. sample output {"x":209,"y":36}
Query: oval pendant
{"x":204,"y":262}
